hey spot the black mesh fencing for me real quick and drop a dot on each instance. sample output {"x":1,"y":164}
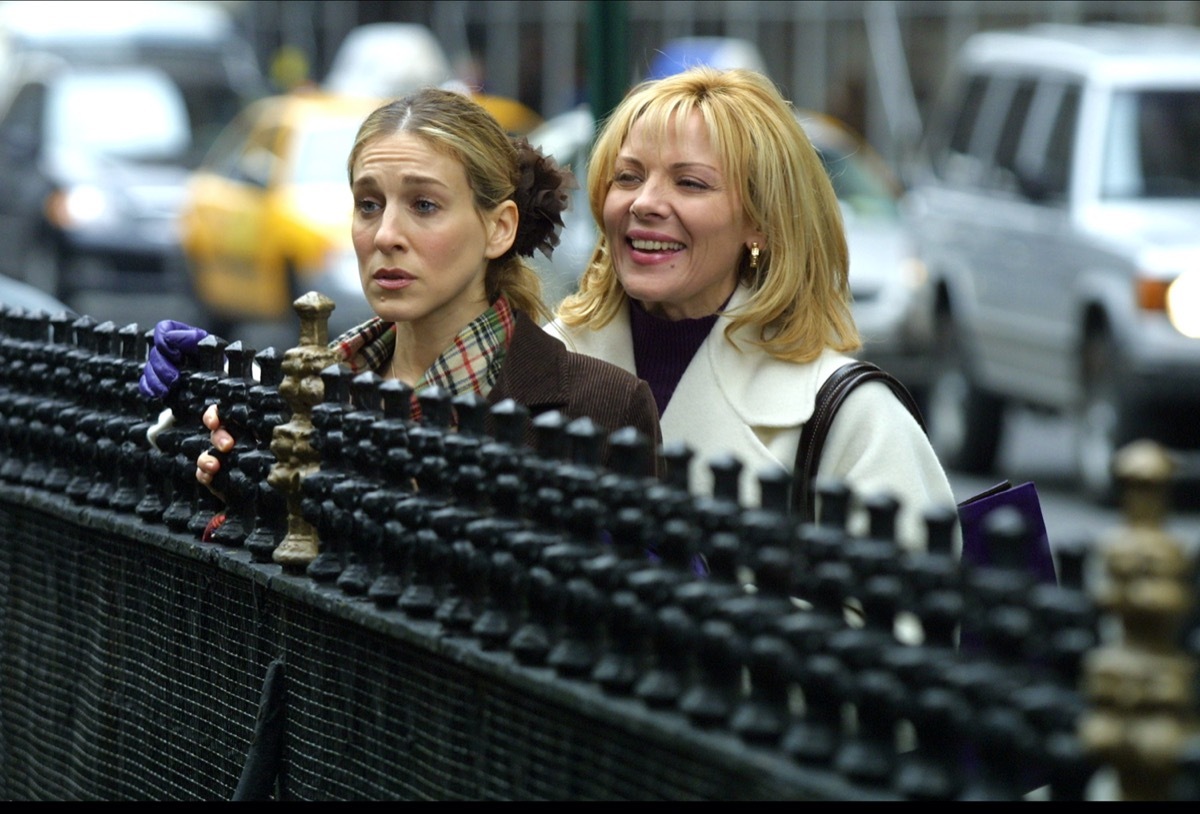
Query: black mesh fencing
{"x":133,"y":662}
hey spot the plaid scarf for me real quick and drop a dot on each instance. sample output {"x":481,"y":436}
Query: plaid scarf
{"x":470,"y":364}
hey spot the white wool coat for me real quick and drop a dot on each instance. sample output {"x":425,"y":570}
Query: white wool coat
{"x":739,"y":400}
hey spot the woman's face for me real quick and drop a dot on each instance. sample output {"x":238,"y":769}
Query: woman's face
{"x":675,"y":226}
{"x":422,"y":246}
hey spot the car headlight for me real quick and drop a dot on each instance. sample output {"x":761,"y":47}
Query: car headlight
{"x":79,"y":207}
{"x":1183,"y":304}
{"x":1179,"y":299}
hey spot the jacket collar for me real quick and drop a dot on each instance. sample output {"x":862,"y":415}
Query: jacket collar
{"x":534,"y":367}
{"x":760,"y":389}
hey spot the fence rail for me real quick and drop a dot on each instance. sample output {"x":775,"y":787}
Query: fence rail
{"x":446,"y":641}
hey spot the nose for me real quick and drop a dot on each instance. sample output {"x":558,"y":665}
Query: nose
{"x":390,"y":235}
{"x":651,"y":201}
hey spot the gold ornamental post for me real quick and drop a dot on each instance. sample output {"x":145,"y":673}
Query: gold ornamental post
{"x":295,"y":457}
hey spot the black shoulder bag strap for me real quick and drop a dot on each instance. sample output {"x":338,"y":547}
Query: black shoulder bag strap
{"x":812,"y":438}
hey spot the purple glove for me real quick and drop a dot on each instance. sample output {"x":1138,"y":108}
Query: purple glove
{"x":173,"y":341}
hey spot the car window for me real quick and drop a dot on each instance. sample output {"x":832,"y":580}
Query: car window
{"x":223,"y":156}
{"x":857,"y":183}
{"x":968,"y":114}
{"x":1047,"y":148}
{"x":246,"y":151}
{"x":1004,"y":175}
{"x":1151,"y":145}
{"x":132,"y":115}
{"x":260,"y":158}
{"x":969,"y":154}
{"x":320,"y":152}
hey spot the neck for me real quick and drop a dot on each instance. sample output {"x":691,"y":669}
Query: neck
{"x":420,"y":343}
{"x":704,"y":305}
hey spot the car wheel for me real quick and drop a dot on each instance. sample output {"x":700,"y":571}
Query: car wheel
{"x":964,"y":422}
{"x":1104,"y":420}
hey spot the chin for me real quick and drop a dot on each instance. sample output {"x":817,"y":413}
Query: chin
{"x":641,"y":288}
{"x":389,"y":309}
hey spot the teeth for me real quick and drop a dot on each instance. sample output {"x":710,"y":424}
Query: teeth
{"x":654,"y":245}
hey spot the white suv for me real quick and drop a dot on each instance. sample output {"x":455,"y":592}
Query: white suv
{"x":1056,"y":205}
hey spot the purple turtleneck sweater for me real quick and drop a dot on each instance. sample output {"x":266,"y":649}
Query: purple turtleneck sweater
{"x":662,"y":348}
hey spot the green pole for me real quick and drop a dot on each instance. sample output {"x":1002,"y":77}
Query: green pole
{"x":608,"y":55}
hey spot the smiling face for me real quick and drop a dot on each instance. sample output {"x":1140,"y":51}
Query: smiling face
{"x":422,"y":245}
{"x":674,"y":225}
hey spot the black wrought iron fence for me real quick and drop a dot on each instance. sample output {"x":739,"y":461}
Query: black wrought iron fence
{"x":432,"y":609}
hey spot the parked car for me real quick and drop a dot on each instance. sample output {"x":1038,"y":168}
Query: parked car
{"x":105,"y":108}
{"x":91,"y":175}
{"x":197,"y":45}
{"x":1057,"y":210}
{"x":885,"y":275}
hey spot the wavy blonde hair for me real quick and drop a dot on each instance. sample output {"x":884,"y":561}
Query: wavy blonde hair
{"x":457,"y":126}
{"x":800,"y":301}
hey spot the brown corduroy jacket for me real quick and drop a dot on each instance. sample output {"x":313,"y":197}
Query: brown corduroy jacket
{"x":540,"y":373}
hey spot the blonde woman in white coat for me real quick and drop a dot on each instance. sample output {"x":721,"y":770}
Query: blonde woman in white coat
{"x":721,"y":278}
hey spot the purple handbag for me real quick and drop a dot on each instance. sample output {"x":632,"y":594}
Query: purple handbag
{"x":973,"y":511}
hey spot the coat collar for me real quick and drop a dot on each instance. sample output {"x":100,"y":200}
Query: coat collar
{"x":761,"y":390}
{"x":534,"y":366}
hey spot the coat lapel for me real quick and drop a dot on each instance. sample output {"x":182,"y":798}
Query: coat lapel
{"x":534,"y":369}
{"x":758,"y":390}
{"x":613,"y":343}
{"x":730,"y":400}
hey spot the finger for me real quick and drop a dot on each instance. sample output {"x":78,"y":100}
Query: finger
{"x":221,"y":439}
{"x":211,"y":419}
{"x":206,"y":480}
{"x":208,"y":464}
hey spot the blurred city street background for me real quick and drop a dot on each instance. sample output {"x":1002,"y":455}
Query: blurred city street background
{"x":186,"y":160}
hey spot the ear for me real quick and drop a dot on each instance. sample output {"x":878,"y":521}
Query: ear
{"x":501,"y":224}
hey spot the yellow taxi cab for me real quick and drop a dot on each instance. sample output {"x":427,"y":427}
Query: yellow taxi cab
{"x":267,"y":214}
{"x":513,"y":116}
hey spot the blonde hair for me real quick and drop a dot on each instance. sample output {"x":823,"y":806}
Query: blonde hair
{"x":457,"y":126}
{"x":800,"y":301}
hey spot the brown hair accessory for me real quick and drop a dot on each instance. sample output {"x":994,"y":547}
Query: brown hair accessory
{"x":541,"y":197}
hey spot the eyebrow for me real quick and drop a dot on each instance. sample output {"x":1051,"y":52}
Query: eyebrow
{"x":678,"y":165}
{"x":408,"y":179}
{"x":415,"y":179}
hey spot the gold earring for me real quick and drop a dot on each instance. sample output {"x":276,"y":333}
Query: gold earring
{"x":753,"y":256}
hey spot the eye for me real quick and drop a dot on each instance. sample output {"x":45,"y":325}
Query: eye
{"x":693,"y":183}
{"x":424,"y":206}
{"x":366,"y":206}
{"x":626,"y":178}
